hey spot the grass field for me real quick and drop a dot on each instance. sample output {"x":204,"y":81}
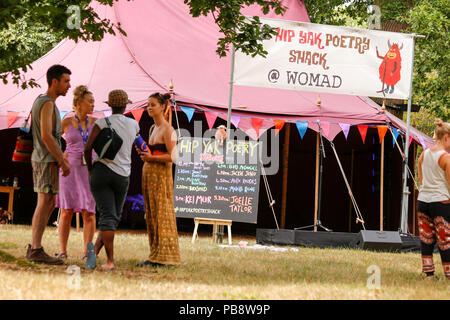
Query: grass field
{"x":210,"y":272}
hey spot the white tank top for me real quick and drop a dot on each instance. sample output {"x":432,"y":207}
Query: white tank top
{"x":435,"y":187}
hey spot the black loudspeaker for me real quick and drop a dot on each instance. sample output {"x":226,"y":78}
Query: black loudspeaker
{"x":379,"y":240}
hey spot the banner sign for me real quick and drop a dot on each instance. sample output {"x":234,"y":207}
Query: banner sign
{"x":217,"y":180}
{"x":324,"y":58}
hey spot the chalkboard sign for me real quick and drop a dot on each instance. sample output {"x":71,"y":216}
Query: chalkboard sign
{"x":217,"y":180}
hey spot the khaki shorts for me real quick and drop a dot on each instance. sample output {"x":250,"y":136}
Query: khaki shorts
{"x":46,"y":177}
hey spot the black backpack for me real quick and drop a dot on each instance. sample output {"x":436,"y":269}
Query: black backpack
{"x":107,"y":143}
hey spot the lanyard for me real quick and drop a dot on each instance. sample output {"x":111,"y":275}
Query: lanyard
{"x":84,"y":135}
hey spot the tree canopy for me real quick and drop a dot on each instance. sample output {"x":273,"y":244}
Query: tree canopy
{"x":29,"y":29}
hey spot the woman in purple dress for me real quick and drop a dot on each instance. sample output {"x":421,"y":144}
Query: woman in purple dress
{"x":74,"y":191}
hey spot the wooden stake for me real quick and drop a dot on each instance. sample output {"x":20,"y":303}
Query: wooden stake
{"x":78,"y":221}
{"x":316,"y":196}
{"x":381,"y":185}
{"x":287,"y":134}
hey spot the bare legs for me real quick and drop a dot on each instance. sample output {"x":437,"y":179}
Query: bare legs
{"x":64,"y":228}
{"x":106,"y":239}
{"x":44,"y":208}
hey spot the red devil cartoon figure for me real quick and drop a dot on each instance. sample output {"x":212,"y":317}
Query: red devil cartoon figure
{"x":390,"y":68}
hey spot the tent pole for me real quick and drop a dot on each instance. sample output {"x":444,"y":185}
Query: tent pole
{"x":230,"y":96}
{"x":405,"y":194}
{"x":414,"y":195}
{"x":287,"y":134}
{"x":350,"y":206}
{"x":381,"y":185}
{"x":316,"y":192}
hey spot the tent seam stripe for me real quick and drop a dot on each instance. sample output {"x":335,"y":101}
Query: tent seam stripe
{"x":134,"y":57}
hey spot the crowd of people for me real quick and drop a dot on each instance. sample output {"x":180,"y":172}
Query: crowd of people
{"x":74,"y":181}
{"x":77,"y":180}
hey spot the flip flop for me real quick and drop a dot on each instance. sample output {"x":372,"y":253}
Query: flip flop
{"x":144,"y":263}
{"x":149,"y":263}
{"x":91,"y":261}
{"x":107,"y":269}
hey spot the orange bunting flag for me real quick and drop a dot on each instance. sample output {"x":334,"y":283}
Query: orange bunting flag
{"x":363,"y":132}
{"x":257,"y":123}
{"x":382,"y":132}
{"x":278,"y":125}
{"x":137,"y":114}
{"x":12,"y":116}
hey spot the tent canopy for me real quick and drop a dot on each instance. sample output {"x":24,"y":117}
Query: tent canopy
{"x":163,"y":43}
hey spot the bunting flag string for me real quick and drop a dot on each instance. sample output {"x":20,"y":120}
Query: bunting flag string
{"x":345,"y":129}
{"x":363,"y":132}
{"x":325,"y":128}
{"x":210,"y":118}
{"x":137,"y":114}
{"x":12,"y":116}
{"x":256,"y":124}
{"x":235,"y":120}
{"x":188,"y":111}
{"x":278,"y":125}
{"x":423,"y":143}
{"x":382,"y":132}
{"x":395,"y":132}
{"x":62,"y":114}
{"x":302,"y":126}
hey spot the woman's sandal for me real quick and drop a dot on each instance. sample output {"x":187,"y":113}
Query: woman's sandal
{"x":149,"y":263}
{"x":107,"y":269}
{"x":61,"y":255}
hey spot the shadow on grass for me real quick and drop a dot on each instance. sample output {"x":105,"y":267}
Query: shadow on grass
{"x":5,"y":257}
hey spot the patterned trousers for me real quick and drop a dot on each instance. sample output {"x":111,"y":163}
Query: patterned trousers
{"x":434,"y":228}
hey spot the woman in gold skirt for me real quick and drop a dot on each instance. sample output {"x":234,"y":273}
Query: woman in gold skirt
{"x":157,"y":186}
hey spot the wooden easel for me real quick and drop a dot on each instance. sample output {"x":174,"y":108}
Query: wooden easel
{"x":215,"y":223}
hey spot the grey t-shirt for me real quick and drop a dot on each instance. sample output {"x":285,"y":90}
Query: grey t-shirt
{"x":40,"y":151}
{"x":127,"y":129}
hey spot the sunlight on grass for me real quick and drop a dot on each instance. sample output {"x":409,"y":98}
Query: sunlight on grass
{"x":211,"y":272}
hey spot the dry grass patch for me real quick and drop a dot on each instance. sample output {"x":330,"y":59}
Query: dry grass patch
{"x":211,"y":272}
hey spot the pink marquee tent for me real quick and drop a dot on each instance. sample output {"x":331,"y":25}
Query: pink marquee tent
{"x":164,"y":42}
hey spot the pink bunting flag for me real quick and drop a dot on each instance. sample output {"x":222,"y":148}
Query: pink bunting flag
{"x":345,"y":129}
{"x":12,"y":116}
{"x":256,"y":124}
{"x":235,"y":120}
{"x":363,"y":132}
{"x":278,"y":125}
{"x":382,"y":132}
{"x":210,"y":118}
{"x":423,"y":143}
{"x":107,"y":113}
{"x":325,"y":128}
{"x":137,"y":114}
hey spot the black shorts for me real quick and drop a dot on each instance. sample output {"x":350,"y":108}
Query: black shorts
{"x":434,"y":209}
{"x":109,"y":190}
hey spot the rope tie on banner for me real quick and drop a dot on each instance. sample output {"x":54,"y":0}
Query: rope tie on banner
{"x":359,"y":217}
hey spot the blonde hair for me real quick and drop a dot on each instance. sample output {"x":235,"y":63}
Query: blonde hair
{"x":442,"y":129}
{"x":79,"y":93}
